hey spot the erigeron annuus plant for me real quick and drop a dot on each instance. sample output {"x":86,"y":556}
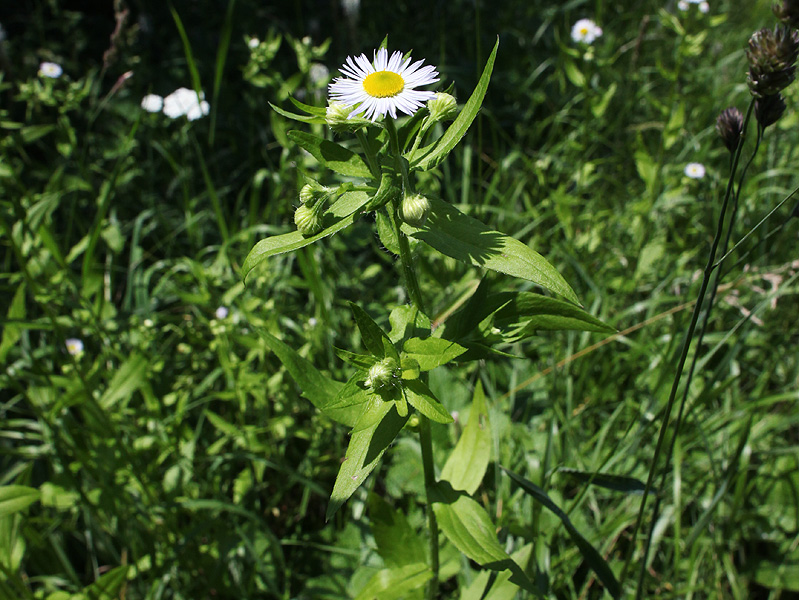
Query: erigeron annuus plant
{"x":388,"y":391}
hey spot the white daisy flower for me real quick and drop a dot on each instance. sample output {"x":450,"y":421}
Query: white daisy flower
{"x":50,"y":69}
{"x":586,"y":31}
{"x":152,"y":103}
{"x":382,"y":86}
{"x":184,"y":101}
{"x":74,"y":346}
{"x":695,"y":170}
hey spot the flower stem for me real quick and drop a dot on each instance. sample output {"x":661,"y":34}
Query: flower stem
{"x":689,"y":334}
{"x":426,"y":442}
{"x":371,"y":159}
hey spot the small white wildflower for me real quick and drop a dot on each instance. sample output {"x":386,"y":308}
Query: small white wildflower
{"x":74,"y":346}
{"x":585,"y":31}
{"x":50,"y":69}
{"x":221,"y":312}
{"x":185,"y":102}
{"x":253,"y":43}
{"x":695,"y":170}
{"x":704,"y":8}
{"x":312,"y":322}
{"x":148,"y":323}
{"x":152,"y":103}
{"x":683,"y":5}
{"x":383,"y":85}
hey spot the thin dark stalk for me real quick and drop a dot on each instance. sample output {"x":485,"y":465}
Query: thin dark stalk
{"x":689,"y":334}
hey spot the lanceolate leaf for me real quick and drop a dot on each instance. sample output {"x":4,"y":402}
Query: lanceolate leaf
{"x":316,"y":387}
{"x":332,"y":155}
{"x":342,"y":213}
{"x":374,"y":338}
{"x":397,"y":542}
{"x":526,"y":312}
{"x":14,"y":498}
{"x":363,"y":453}
{"x":591,"y":556}
{"x":431,"y":352}
{"x":430,"y":156}
{"x":619,"y":483}
{"x":422,"y":399}
{"x":460,"y":236}
{"x":396,"y":582}
{"x":468,"y":462}
{"x":296,"y":117}
{"x":467,"y":525}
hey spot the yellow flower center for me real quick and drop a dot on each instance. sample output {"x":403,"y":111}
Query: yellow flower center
{"x":584,"y":30}
{"x":383,"y":84}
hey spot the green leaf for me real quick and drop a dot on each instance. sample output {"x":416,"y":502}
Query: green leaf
{"x":332,"y":155}
{"x":14,"y":498}
{"x":351,"y":398}
{"x":12,"y":331}
{"x":108,"y":586}
{"x":396,"y":582}
{"x":428,"y":157}
{"x":501,"y":588}
{"x":777,"y":576}
{"x":460,"y":236}
{"x":374,"y":338}
{"x":397,"y":542}
{"x":363,"y":453}
{"x":296,"y":117}
{"x":319,"y":389}
{"x":318,"y":111}
{"x":466,"y":524}
{"x":407,"y":321}
{"x":386,"y":233}
{"x":341,"y":214}
{"x":431,"y":352}
{"x":362,"y":361}
{"x":466,"y":466}
{"x":591,"y":556}
{"x":618,"y":483}
{"x":422,"y":399}
{"x":525,"y":313}
{"x":127,"y":379}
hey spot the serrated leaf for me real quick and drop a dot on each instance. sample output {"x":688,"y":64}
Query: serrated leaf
{"x":374,"y":338}
{"x":396,"y":582}
{"x":466,"y":524}
{"x":422,"y":399}
{"x":397,"y":542}
{"x":460,"y":236}
{"x":332,"y":155}
{"x":466,"y":466}
{"x":618,"y":483}
{"x":14,"y":498}
{"x":365,"y":449}
{"x":428,"y":157}
{"x":319,"y":389}
{"x":591,"y":556}
{"x":341,"y":214}
{"x":431,"y":352}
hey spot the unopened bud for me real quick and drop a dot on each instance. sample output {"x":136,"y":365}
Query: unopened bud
{"x":772,"y":57}
{"x":381,"y":374}
{"x":442,"y":107}
{"x":414,"y":210}
{"x":311,"y":192}
{"x":788,"y":12}
{"x":308,"y":220}
{"x":729,"y":125}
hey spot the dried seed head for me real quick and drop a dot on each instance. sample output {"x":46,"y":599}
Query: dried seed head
{"x":772,"y":57}
{"x":769,"y":109}
{"x":729,"y":125}
{"x":788,"y":12}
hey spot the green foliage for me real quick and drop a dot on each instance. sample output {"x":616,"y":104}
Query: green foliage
{"x":188,"y":451}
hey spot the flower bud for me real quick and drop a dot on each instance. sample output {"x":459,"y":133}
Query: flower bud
{"x":788,"y":12}
{"x":769,"y":109}
{"x":442,"y":107}
{"x":772,"y":57}
{"x":312,"y":192}
{"x":308,"y":220}
{"x":729,"y":125}
{"x":414,"y":210}
{"x":381,"y":374}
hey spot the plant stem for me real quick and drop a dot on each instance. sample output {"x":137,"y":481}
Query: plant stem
{"x":689,"y":334}
{"x":426,"y":441}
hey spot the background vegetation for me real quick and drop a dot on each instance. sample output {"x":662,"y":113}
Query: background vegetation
{"x":173,"y":456}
